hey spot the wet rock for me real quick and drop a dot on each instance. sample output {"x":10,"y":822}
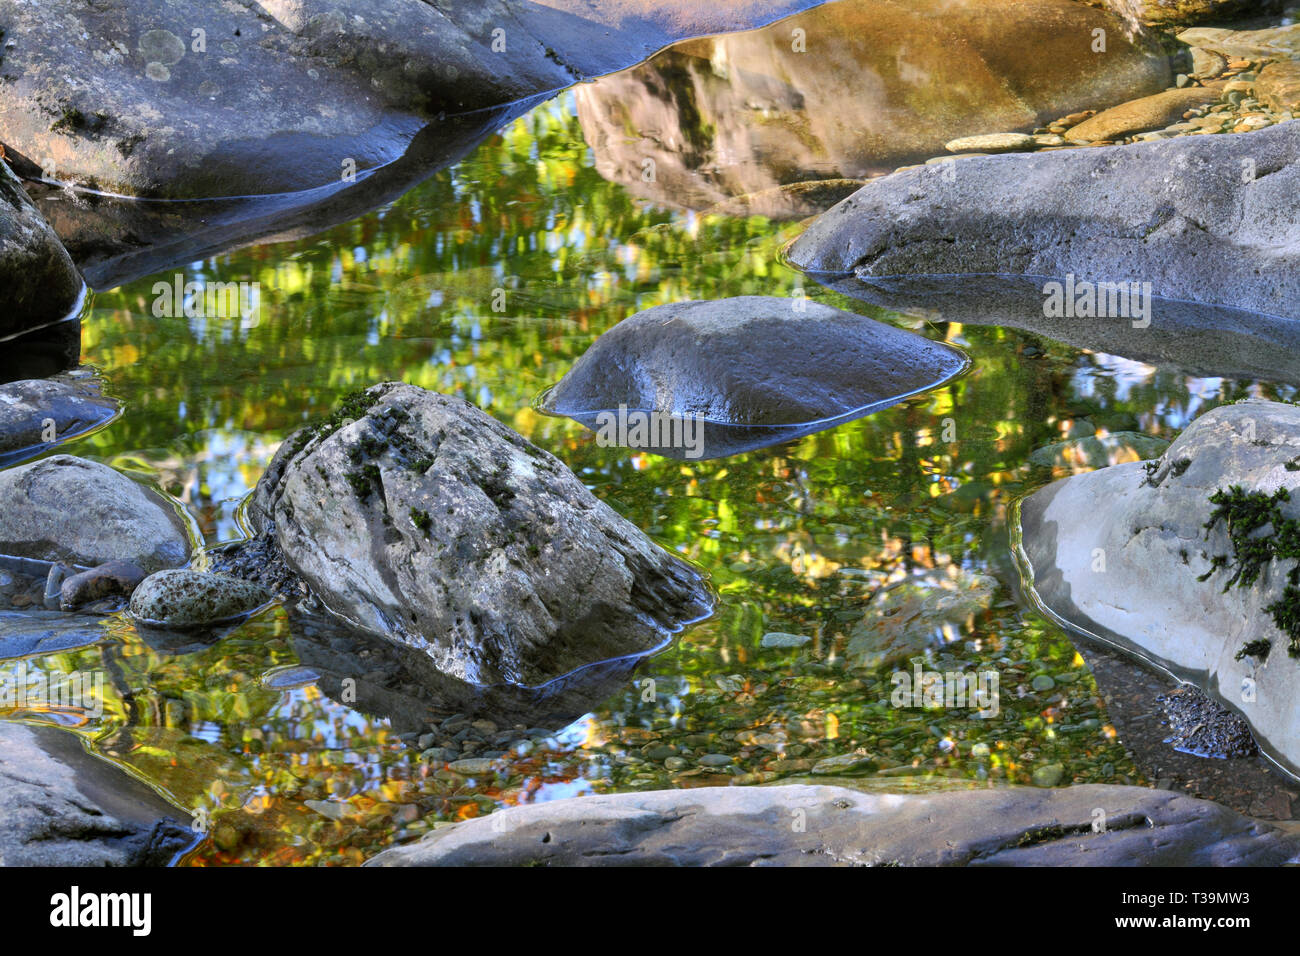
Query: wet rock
{"x":188,"y":599}
{"x":862,"y":88}
{"x":751,"y":826}
{"x":1279,"y":86}
{"x":86,"y":514}
{"x":992,"y":143}
{"x":1129,"y":555}
{"x":1178,"y":214}
{"x":127,"y":97}
{"x":415,"y":517}
{"x":36,"y":414}
{"x":31,"y":632}
{"x":1283,"y":41}
{"x":907,"y":618}
{"x":60,"y":806}
{"x":747,"y":371}
{"x":38,"y":283}
{"x":114,"y":577}
{"x":1138,"y":116}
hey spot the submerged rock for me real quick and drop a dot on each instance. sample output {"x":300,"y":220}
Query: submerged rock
{"x":1163,"y":13}
{"x":61,"y":806}
{"x":86,"y":514}
{"x":1210,"y":219}
{"x":38,"y":413}
{"x":908,"y":618}
{"x":185,"y":599}
{"x":1138,"y":116}
{"x":1098,"y":451}
{"x":743,"y":373}
{"x":38,"y":282}
{"x":1139,"y":556}
{"x":416,"y":517}
{"x":751,"y":826}
{"x":852,"y":89}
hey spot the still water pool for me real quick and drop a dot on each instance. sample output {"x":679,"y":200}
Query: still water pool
{"x":489,"y":280}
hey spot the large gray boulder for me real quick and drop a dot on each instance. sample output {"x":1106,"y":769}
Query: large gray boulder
{"x":834,"y":826}
{"x":85,"y":514}
{"x":61,"y":806}
{"x":1130,"y":555}
{"x":416,"y":517}
{"x":38,"y":283}
{"x":1210,"y":219}
{"x":187,"y":98}
{"x":752,"y":370}
{"x":852,"y":89}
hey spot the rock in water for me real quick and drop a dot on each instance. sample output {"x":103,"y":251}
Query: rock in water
{"x":37,"y":413}
{"x":38,"y":282}
{"x":750,"y":826}
{"x":1208,"y":219}
{"x":1120,"y":554}
{"x":61,"y":806}
{"x":429,"y":523}
{"x":1137,"y":116}
{"x":83,"y":513}
{"x":1163,"y":13}
{"x":752,"y":371}
{"x":187,"y":599}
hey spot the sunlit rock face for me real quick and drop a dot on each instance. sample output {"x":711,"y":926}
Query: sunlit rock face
{"x":1120,"y":554}
{"x":1163,"y":13}
{"x":730,"y":375}
{"x":853,"y":89}
{"x":418,"y":518}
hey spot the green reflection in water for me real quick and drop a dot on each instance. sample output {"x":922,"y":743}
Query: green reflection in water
{"x":489,"y":280}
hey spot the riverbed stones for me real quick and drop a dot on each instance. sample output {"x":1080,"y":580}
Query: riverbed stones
{"x":1179,"y":214}
{"x":61,"y":806}
{"x":38,"y":413}
{"x":1130,"y":555}
{"x":1140,"y":115}
{"x":416,"y":517}
{"x":1279,"y":86}
{"x":875,"y":84}
{"x":39,"y":284}
{"x":181,"y":599}
{"x":86,"y":514}
{"x":752,"y":361}
{"x":751,"y":826}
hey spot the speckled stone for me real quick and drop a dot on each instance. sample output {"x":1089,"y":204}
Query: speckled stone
{"x":194,"y":598}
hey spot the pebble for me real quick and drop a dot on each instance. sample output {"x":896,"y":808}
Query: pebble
{"x":1048,"y":775}
{"x":472,"y":767}
{"x":1042,"y":683}
{"x":992,"y":143}
{"x":715,"y":760}
{"x":782,"y":639}
{"x":844,"y":763}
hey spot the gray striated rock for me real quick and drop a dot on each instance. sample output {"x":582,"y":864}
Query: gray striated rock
{"x":1118,"y":554}
{"x":753,"y":367}
{"x":1211,"y":219}
{"x":61,"y":806}
{"x":179,"y":599}
{"x":429,"y":523}
{"x":38,"y":413}
{"x":754,"y":826}
{"x":83,"y":513}
{"x":39,"y":284}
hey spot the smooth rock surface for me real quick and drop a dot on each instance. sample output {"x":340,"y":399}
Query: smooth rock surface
{"x":431,"y":524}
{"x":1279,"y":86}
{"x":1118,"y":557}
{"x":185,"y":599}
{"x":752,"y":362}
{"x":752,"y":826}
{"x":61,"y":806}
{"x":36,"y":414}
{"x":1180,"y":214}
{"x":38,"y":282}
{"x":862,"y":87}
{"x":1138,"y":116}
{"x":113,"y":578}
{"x":83,"y":513}
{"x":277,"y":96}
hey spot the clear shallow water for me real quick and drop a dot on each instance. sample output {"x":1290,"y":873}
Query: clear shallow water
{"x":795,"y":538}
